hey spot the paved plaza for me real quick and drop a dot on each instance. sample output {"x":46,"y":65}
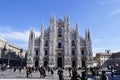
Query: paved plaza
{"x":10,"y":74}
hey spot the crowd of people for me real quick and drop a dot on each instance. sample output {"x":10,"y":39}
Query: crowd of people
{"x":42,"y":71}
{"x":73,"y":72}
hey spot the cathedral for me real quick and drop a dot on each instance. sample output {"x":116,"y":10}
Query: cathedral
{"x":60,"y":46}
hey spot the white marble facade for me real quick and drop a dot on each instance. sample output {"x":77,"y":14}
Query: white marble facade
{"x":60,"y":46}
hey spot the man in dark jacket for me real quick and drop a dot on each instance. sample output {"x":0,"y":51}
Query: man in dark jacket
{"x":3,"y":70}
{"x":60,"y":73}
{"x":84,"y":75}
{"x":104,"y":76}
{"x":74,"y":75}
{"x":69,"y":71}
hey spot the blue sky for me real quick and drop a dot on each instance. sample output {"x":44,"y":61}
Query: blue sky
{"x":102,"y":17}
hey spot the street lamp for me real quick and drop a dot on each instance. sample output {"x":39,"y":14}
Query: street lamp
{"x":8,"y":59}
{"x":21,"y":50}
{"x":4,"y":53}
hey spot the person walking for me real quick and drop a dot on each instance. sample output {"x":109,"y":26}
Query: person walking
{"x":27,"y":72}
{"x":14,"y":69}
{"x":3,"y":70}
{"x":97,"y":75}
{"x":49,"y":70}
{"x":104,"y":76}
{"x":44,"y":72}
{"x":20,"y":69}
{"x":40,"y":71}
{"x":84,"y":75}
{"x":78,"y":77}
{"x":30,"y":71}
{"x":52,"y":72}
{"x":69,"y":71}
{"x":74,"y":75}
{"x":60,"y":74}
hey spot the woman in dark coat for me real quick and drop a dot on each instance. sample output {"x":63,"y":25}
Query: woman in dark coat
{"x":74,"y":75}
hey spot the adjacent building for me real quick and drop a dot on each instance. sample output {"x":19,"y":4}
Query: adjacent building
{"x":60,"y":46}
{"x":107,"y":59}
{"x":11,"y":55}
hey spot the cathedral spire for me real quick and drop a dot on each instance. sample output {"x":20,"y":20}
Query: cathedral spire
{"x":88,"y":48}
{"x":42,"y":25}
{"x":68,"y":19}
{"x":31,"y":34}
{"x":87,"y":34}
{"x":42,"y":29}
{"x":65,"y":19}
{"x":51,"y":19}
{"x":31,"y":42}
{"x":77,"y":31}
{"x":54,"y":19}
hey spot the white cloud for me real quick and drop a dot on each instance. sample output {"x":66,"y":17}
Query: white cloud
{"x":97,"y":40}
{"x":97,"y":50}
{"x":115,"y":12}
{"x":19,"y":37}
{"x":2,"y":39}
{"x":5,"y":29}
{"x":109,"y":2}
{"x":22,"y":36}
{"x":116,"y":39}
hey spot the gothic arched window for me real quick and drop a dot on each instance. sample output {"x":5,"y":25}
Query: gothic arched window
{"x":59,"y":32}
{"x":73,"y":52}
{"x":36,"y":52}
{"x":82,"y":52}
{"x":46,"y":43}
{"x":46,"y":53}
{"x":73,"y":43}
{"x":59,"y":45}
{"x":32,"y":36}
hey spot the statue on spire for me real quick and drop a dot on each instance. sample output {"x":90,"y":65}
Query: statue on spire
{"x":68,"y":19}
{"x":77,"y":30}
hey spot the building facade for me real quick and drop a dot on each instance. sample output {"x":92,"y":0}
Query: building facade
{"x":11,"y":55}
{"x":108,"y":59}
{"x":60,"y":46}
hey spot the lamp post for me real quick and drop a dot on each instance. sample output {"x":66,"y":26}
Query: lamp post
{"x":4,"y":53}
{"x":8,"y":59}
{"x":21,"y":50}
